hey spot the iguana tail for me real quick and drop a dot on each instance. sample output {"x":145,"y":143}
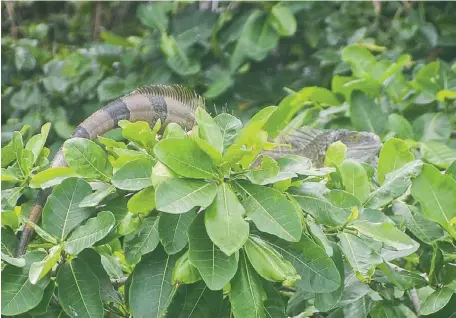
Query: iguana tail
{"x":149,"y":103}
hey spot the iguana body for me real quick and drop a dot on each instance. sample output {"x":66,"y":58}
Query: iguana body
{"x":177,"y":104}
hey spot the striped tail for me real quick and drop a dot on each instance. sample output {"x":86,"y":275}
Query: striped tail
{"x":149,"y":103}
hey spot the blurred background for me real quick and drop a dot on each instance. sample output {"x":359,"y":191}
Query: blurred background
{"x":61,"y":61}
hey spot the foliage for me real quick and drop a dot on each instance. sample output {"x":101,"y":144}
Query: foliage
{"x":199,"y":217}
{"x":204,"y":224}
{"x":240,"y":55}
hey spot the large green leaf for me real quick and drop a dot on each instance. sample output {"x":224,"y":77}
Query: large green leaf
{"x":437,"y":195}
{"x":91,"y":232}
{"x":432,"y":127}
{"x":142,"y":202}
{"x":354,"y":178}
{"x":150,"y":291}
{"x":208,"y":129}
{"x":224,"y":220}
{"x":271,"y":212}
{"x":62,"y":213}
{"x":366,"y":115}
{"x":79,"y":290}
{"x":386,"y":233}
{"x":359,"y":255}
{"x":247,"y":294}
{"x":87,"y":159}
{"x":318,"y":272}
{"x":437,"y":153}
{"x":134,"y":175}
{"x":36,"y":143}
{"x":256,"y":40}
{"x":107,"y":291}
{"x":215,"y":267}
{"x":436,"y":301}
{"x":143,"y":241}
{"x":99,"y":195}
{"x":184,"y":157}
{"x":327,"y":301}
{"x":321,"y":209}
{"x":423,"y":228}
{"x":283,"y":20}
{"x":18,"y":293}
{"x":51,"y":177}
{"x":229,"y":126}
{"x":394,"y":154}
{"x":195,"y":301}
{"x":154,"y":15}
{"x":181,"y":195}
{"x":360,"y":59}
{"x":172,"y":230}
{"x":396,"y":183}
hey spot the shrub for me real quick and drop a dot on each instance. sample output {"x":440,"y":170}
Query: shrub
{"x":202,"y":224}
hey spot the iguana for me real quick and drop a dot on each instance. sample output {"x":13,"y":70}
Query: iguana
{"x":178,"y":105}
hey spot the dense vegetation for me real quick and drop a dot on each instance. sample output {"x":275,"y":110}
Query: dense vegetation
{"x":121,"y":234}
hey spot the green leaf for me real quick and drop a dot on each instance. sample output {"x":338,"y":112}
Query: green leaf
{"x":18,"y":262}
{"x":268,"y":262}
{"x":335,"y":154}
{"x":359,"y":255}
{"x":424,"y":229}
{"x":134,"y":175}
{"x":394,"y":154}
{"x":366,"y":115}
{"x":143,"y":241}
{"x":360,"y":59}
{"x":140,"y":133}
{"x":384,"y":309}
{"x":401,"y":278}
{"x":271,"y":212}
{"x":51,"y":177}
{"x":62,"y":213}
{"x":432,"y":127}
{"x":184,"y":157}
{"x":160,"y":173}
{"x":437,"y":195}
{"x":437,"y":153}
{"x":229,"y":126}
{"x":395,"y":184}
{"x":436,"y":301}
{"x":400,"y":126}
{"x":91,"y":232}
{"x":42,"y":233}
{"x":9,"y":242}
{"x":172,"y":230}
{"x":327,"y":301}
{"x":150,"y":290}
{"x":182,"y":195}
{"x":354,"y":178}
{"x":195,"y":300}
{"x":215,"y":267}
{"x":36,"y":143}
{"x":184,"y":272}
{"x":38,"y":270}
{"x":247,"y":294}
{"x":318,"y":272}
{"x":154,"y":15}
{"x":107,"y":291}
{"x":208,"y":129}
{"x":87,"y":159}
{"x":95,"y":198}
{"x":142,"y":202}
{"x":43,"y":306}
{"x":321,"y":209}
{"x":386,"y":233}
{"x":267,"y":170}
{"x":255,"y":41}
{"x":274,"y":303}
{"x":79,"y":290}
{"x":18,"y":293}
{"x":283,"y":20}
{"x":173,"y":130}
{"x":224,"y":221}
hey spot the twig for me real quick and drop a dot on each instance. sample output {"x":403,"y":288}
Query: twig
{"x":97,"y":20}
{"x":415,"y":301}
{"x":10,"y":9}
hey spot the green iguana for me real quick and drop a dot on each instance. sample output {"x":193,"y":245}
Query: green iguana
{"x":178,"y":105}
